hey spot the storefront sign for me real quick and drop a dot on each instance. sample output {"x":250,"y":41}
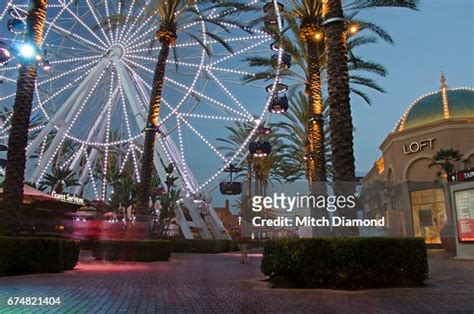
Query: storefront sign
{"x":464,"y":201}
{"x":63,"y":197}
{"x":462,"y":175}
{"x":418,"y":146}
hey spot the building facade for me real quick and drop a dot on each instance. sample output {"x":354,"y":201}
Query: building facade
{"x":412,"y":193}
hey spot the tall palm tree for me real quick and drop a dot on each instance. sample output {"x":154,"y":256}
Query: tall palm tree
{"x":340,"y":116}
{"x":308,"y":13}
{"x":340,"y":122}
{"x":170,"y":15}
{"x":300,"y":111}
{"x":446,"y":159}
{"x":18,"y":139}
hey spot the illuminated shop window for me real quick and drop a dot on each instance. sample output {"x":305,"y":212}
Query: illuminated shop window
{"x":429,"y":214}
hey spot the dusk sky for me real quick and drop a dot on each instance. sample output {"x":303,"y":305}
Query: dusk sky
{"x":440,"y":37}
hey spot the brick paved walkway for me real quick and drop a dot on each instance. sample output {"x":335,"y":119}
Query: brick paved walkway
{"x":219,"y":284}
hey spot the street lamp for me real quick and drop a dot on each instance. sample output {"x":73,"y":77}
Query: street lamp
{"x":27,"y":51}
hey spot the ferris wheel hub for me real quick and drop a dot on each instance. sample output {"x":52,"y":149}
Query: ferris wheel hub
{"x":115,"y":52}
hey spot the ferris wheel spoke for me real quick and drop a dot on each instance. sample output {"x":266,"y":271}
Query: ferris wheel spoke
{"x":110,"y":103}
{"x":203,"y":138}
{"x":7,"y":79}
{"x":238,"y":81}
{"x":136,"y":18}
{"x":139,"y":37}
{"x":132,"y":50}
{"x":212,"y":101}
{"x":250,"y":47}
{"x":135,"y":162}
{"x":125,"y":159}
{"x":214,"y":117}
{"x":127,"y":19}
{"x":228,"y":93}
{"x":76,"y":59}
{"x":65,"y":88}
{"x":109,"y":25}
{"x":132,"y":38}
{"x":76,"y":38}
{"x":90,"y":167}
{"x":72,"y":71}
{"x":181,"y":149}
{"x":80,"y":21}
{"x":99,"y":24}
{"x":233,"y":71}
{"x":138,"y":65}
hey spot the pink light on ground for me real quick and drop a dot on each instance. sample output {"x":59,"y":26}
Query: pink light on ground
{"x":121,"y":267}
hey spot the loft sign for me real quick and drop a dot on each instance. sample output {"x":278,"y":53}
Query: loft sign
{"x":418,"y":146}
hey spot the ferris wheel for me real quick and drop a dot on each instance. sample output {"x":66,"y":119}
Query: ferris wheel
{"x":94,"y":82}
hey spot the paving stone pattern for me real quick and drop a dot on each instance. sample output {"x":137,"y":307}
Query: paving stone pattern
{"x":199,"y":283}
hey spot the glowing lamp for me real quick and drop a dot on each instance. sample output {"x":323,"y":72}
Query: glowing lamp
{"x":353,"y":29}
{"x":27,"y":51}
{"x":46,"y":66}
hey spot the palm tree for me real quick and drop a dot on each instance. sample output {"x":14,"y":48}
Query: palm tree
{"x":340,"y":116}
{"x":18,"y":139}
{"x":168,"y":200}
{"x":308,"y":13}
{"x":59,"y":179}
{"x":295,"y":44}
{"x":445,"y":159}
{"x":340,"y":122}
{"x":295,"y":131}
{"x":169,"y":16}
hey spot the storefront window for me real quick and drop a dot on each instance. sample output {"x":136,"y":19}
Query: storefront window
{"x":429,"y":214}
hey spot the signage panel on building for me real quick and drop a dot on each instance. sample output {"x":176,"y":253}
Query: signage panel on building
{"x":462,"y":175}
{"x":464,"y":201}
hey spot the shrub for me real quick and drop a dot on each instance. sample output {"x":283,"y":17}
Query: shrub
{"x":71,"y":250}
{"x":133,"y":250}
{"x":346,"y":263}
{"x":203,"y":246}
{"x":29,"y":255}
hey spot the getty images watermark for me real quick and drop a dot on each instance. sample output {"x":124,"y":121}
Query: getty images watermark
{"x":293,"y":205}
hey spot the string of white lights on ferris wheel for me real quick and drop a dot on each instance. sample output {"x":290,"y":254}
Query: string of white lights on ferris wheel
{"x":208,"y":69}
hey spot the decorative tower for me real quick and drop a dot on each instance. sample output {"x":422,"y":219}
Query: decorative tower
{"x":444,"y":94}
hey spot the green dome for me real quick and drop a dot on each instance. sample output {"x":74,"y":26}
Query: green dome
{"x":428,"y":109}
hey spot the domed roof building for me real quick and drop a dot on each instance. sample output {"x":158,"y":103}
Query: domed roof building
{"x":414,"y":198}
{"x":446,"y":103}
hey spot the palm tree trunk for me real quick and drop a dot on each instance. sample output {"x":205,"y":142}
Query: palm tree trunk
{"x":20,"y":123}
{"x":248,"y":191}
{"x":340,"y":123}
{"x":317,"y":160}
{"x":340,"y":120}
{"x":151,"y":127}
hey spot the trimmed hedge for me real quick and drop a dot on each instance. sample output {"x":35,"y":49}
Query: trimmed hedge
{"x":71,"y":250}
{"x":346,"y":263}
{"x":203,"y":246}
{"x":133,"y":250}
{"x":30,"y":255}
